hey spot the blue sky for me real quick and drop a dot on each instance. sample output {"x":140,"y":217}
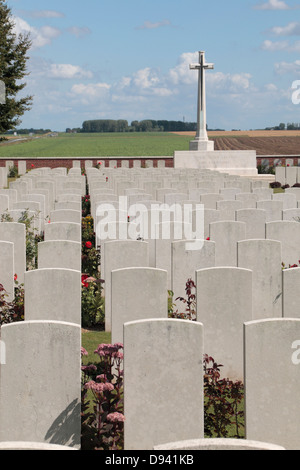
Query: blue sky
{"x":130,"y":60}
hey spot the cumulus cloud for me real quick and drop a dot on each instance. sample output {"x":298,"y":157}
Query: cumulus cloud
{"x":292,"y":29}
{"x":91,"y":90}
{"x":42,"y":68}
{"x":40,"y":36}
{"x":231,"y":83}
{"x":274,"y":46}
{"x":181,"y":74}
{"x":292,"y":68}
{"x":273,"y":5}
{"x":158,"y":24}
{"x":145,"y":78}
{"x":145,"y":82}
{"x":68,"y":71}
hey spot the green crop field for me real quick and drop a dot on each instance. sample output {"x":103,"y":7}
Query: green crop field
{"x":97,"y":145}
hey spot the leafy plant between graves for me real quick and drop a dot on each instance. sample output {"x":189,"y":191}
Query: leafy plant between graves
{"x":223,"y":401}
{"x":86,"y":205}
{"x":92,"y":301}
{"x":102,"y":400}
{"x":190,"y":301}
{"x":32,"y":237}
{"x":102,"y":407}
{"x":13,"y":172}
{"x":13,"y":311}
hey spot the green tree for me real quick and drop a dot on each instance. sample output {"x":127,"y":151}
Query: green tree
{"x":13,"y":59}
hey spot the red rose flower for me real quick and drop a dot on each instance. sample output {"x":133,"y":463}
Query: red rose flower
{"x":83,"y":280}
{"x":88,"y":245}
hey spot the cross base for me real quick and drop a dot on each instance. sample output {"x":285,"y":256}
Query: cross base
{"x":232,"y":162}
{"x":202,"y":145}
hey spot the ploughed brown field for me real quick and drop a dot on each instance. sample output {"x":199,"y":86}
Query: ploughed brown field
{"x":264,"y":142}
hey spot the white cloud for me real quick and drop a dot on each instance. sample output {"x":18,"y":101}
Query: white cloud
{"x":181,"y":74}
{"x":287,"y":67}
{"x":42,"y":68}
{"x":271,"y":87}
{"x":230,"y":83}
{"x":150,"y":25}
{"x":41,"y":14}
{"x":91,"y":90}
{"x":68,"y":71}
{"x":280,"y":46}
{"x":273,"y":5}
{"x":145,"y":78}
{"x":144,"y":82}
{"x":40,"y":36}
{"x":292,"y":29}
{"x":46,"y":14}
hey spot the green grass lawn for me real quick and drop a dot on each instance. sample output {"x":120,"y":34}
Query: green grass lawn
{"x":98,"y":145}
{"x":90,"y":340}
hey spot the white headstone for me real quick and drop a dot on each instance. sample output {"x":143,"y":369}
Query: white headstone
{"x":119,"y":254}
{"x":288,"y":233}
{"x":7,"y":268}
{"x":63,"y":231}
{"x":263,"y":257}
{"x":291,"y":293}
{"x":171,"y":351}
{"x":137,"y":294}
{"x":15,"y":233}
{"x":226,"y":234}
{"x":64,"y":254}
{"x":53,"y":294}
{"x":272,"y":381}
{"x":224,"y":303}
{"x":40,"y":383}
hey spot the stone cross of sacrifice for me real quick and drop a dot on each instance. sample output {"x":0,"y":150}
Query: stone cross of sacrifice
{"x":201,"y":134}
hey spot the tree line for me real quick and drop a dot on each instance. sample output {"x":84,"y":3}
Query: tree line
{"x":147,"y":125}
{"x":290,"y":126}
{"x":29,"y":131}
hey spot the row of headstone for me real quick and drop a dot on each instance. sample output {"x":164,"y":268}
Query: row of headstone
{"x":113,"y":164}
{"x":287,"y":175}
{"x":172,"y":350}
{"x":40,"y":356}
{"x":226,"y":297}
{"x":243,"y":298}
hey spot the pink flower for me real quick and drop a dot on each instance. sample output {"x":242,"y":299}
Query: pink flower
{"x":99,"y":387}
{"x":84,"y":352}
{"x":115,"y":417}
{"x":102,"y":377}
